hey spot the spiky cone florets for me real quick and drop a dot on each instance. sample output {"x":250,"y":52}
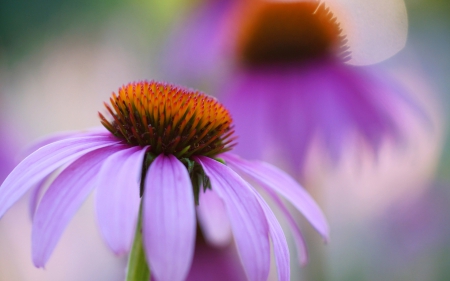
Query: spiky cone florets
{"x":170,"y":119}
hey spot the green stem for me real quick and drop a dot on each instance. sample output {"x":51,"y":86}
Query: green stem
{"x":137,"y":269}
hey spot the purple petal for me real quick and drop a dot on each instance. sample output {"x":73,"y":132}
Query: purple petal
{"x":213,"y":219}
{"x":295,"y":230}
{"x":117,"y":198}
{"x":218,"y":264}
{"x":280,"y":246}
{"x":253,"y":136}
{"x":247,"y":218}
{"x":61,"y":136}
{"x":34,"y":197}
{"x":42,"y":162}
{"x":169,"y":222}
{"x":39,"y":189}
{"x":270,"y":177}
{"x":323,"y":102}
{"x":41,"y":142}
{"x":204,"y":42}
{"x":63,"y":198}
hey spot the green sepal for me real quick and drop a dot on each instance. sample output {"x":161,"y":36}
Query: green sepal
{"x":137,"y":268}
{"x":198,"y":177}
{"x":220,"y":160}
{"x":149,"y":158}
{"x":189,"y":164}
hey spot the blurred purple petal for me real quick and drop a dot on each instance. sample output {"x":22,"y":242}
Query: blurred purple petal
{"x":169,"y":222}
{"x":248,"y":221}
{"x":8,"y":149}
{"x":218,"y":264}
{"x":324,"y":99}
{"x":117,"y":198}
{"x":41,"y":163}
{"x":213,"y":219}
{"x":270,"y":177}
{"x":61,"y":201}
{"x":203,"y":49}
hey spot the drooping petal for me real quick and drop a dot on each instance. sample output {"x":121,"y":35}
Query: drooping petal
{"x":295,"y":230}
{"x":38,"y":191}
{"x":375,"y":29}
{"x":41,"y":142}
{"x":61,"y":201}
{"x":270,"y":177}
{"x":117,"y":198}
{"x":280,"y":246}
{"x":213,"y":219}
{"x":34,"y":197}
{"x":169,"y":222}
{"x":353,"y":101}
{"x":42,"y":162}
{"x":247,"y":218}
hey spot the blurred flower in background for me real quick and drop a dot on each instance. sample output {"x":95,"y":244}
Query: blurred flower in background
{"x":293,"y":67}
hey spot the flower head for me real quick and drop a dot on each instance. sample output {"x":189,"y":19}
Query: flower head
{"x":161,"y":147}
{"x":360,"y":32}
{"x":169,"y":120}
{"x":293,"y":67}
{"x":277,"y":32}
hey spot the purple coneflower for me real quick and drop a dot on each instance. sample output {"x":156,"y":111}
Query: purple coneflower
{"x":294,"y":67}
{"x":168,"y":146}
